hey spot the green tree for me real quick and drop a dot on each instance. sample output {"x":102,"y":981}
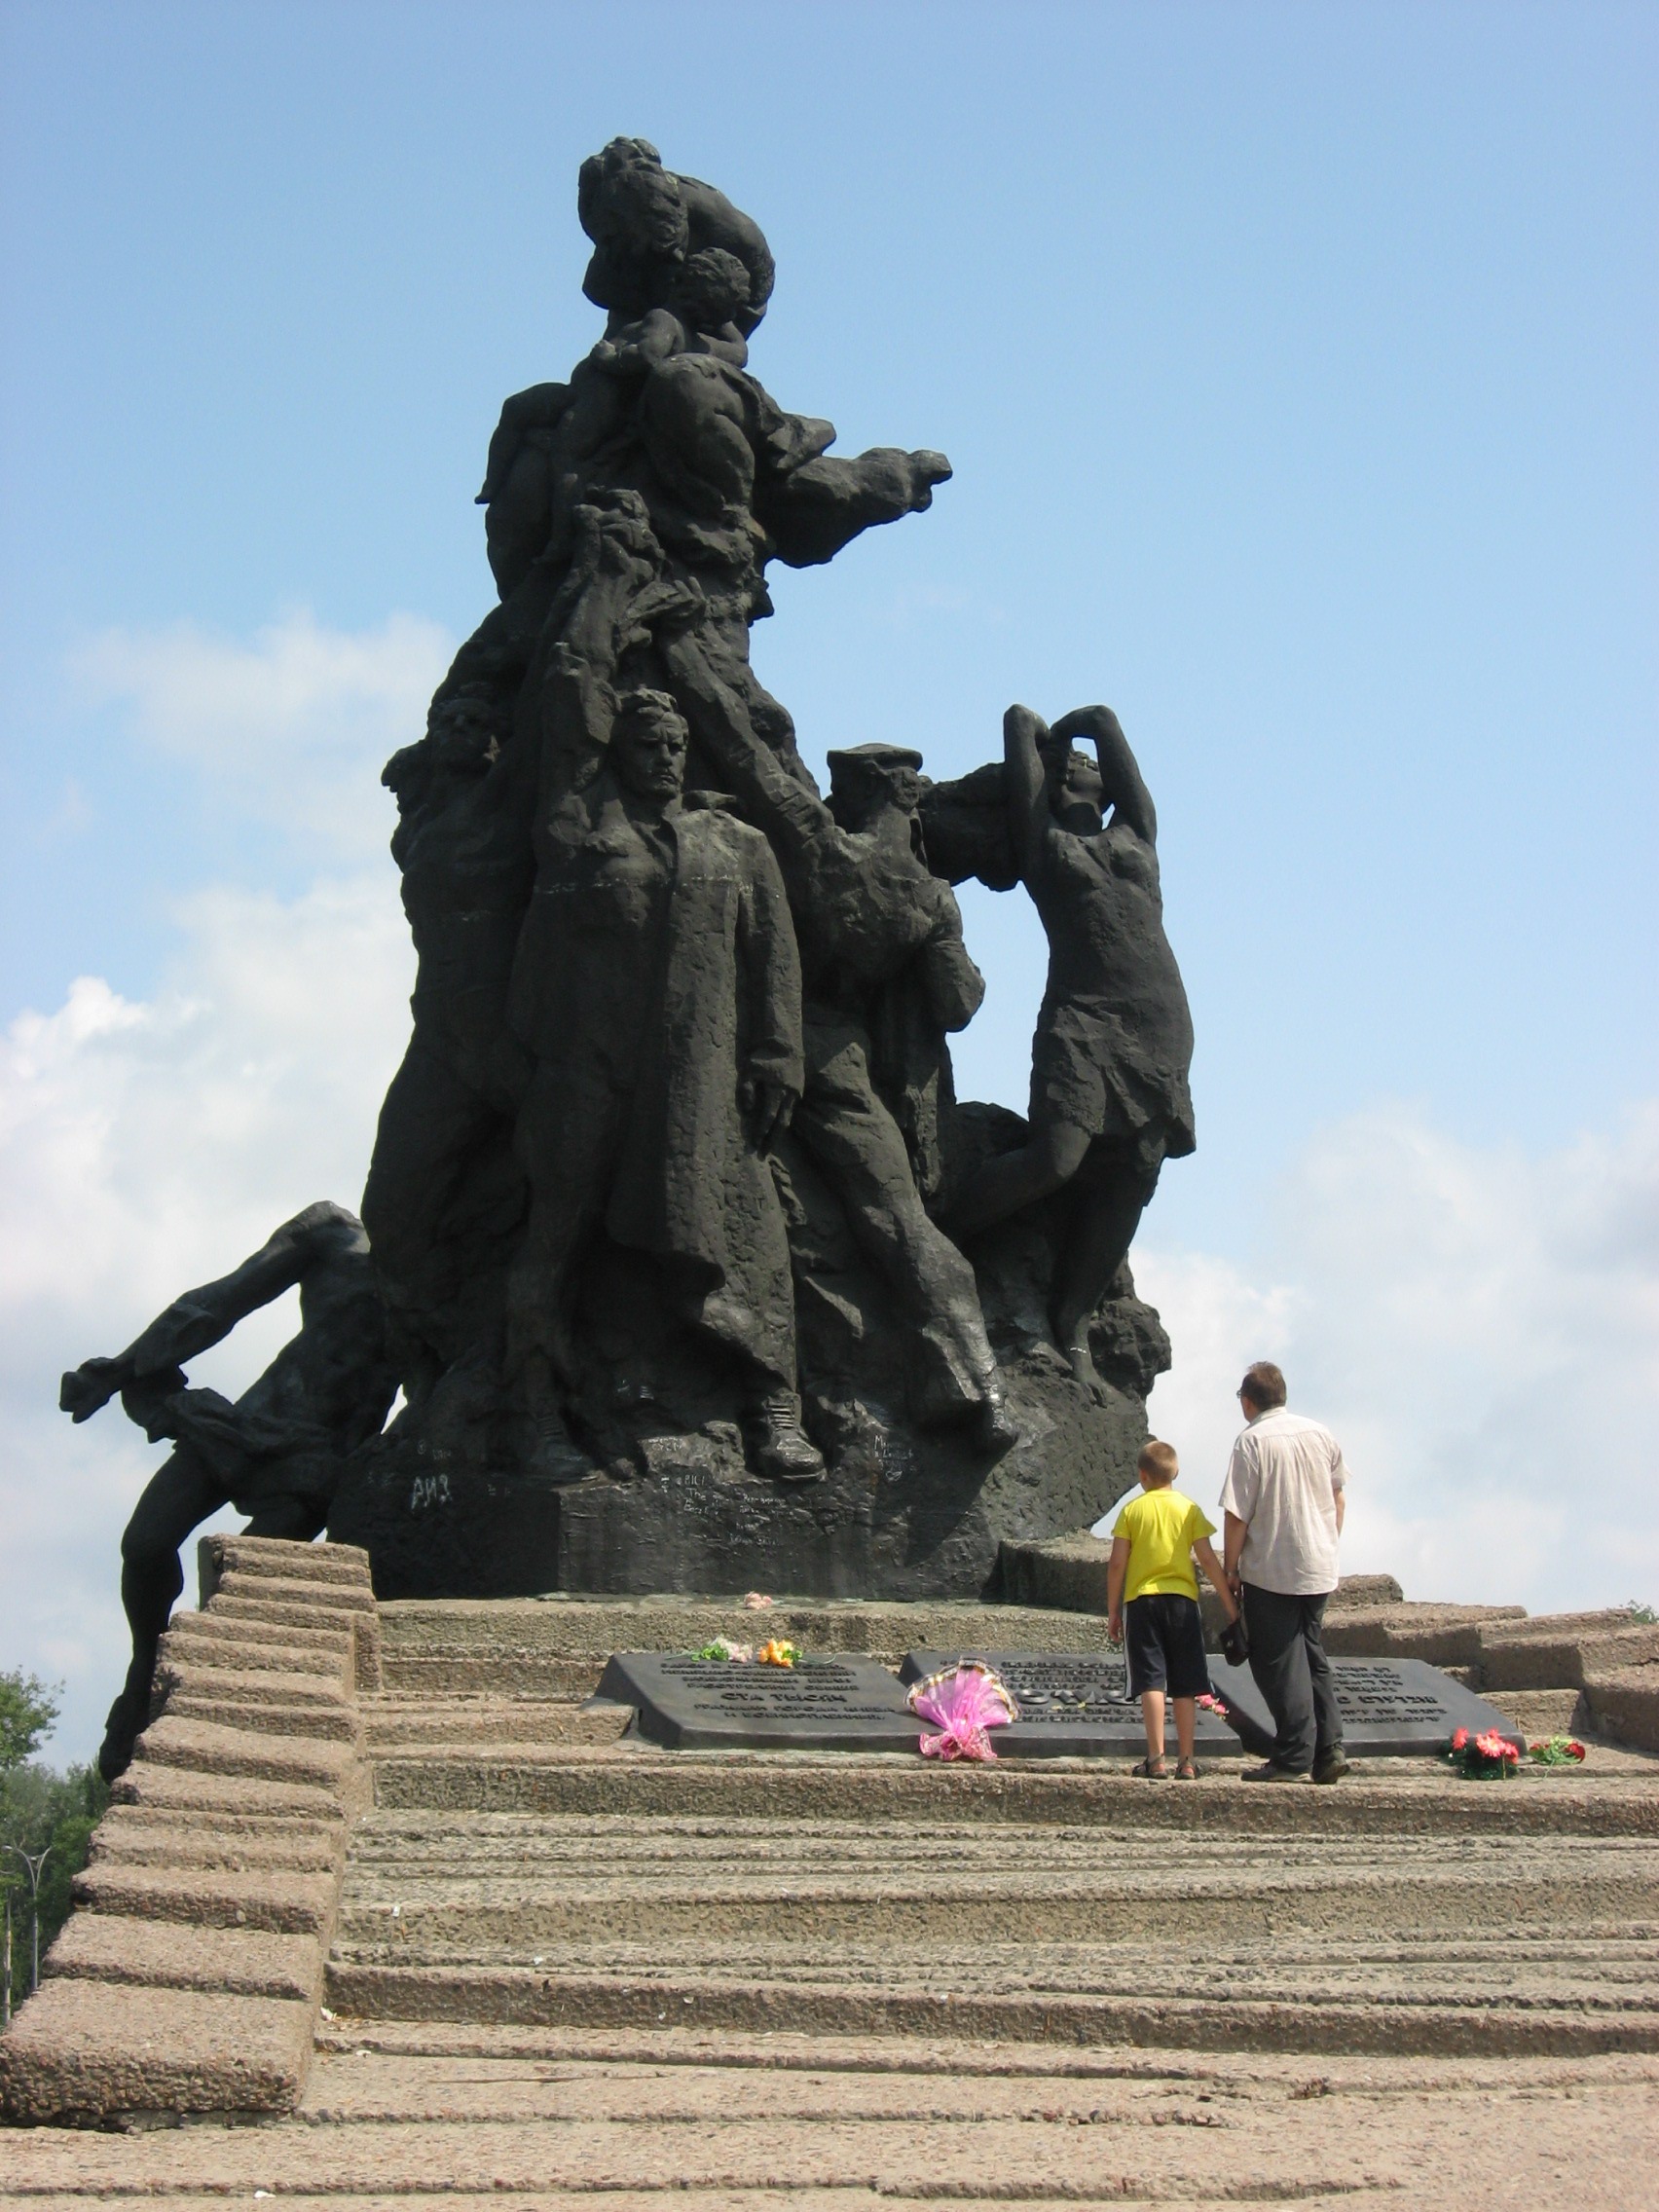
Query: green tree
{"x":40,"y":1810}
{"x":28,"y":1709}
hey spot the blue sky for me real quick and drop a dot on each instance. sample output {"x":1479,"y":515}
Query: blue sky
{"x":1297,"y":363}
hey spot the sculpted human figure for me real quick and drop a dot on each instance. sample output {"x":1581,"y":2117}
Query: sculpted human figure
{"x":276,"y":1454}
{"x":1114,"y":1038}
{"x":664,"y":405}
{"x":657,"y":993}
{"x":873,"y":925}
{"x":468,"y":796}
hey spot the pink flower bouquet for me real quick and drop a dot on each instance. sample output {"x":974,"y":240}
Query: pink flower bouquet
{"x":964,"y":1702}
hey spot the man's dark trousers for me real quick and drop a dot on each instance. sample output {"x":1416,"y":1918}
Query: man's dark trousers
{"x":1287,"y":1658}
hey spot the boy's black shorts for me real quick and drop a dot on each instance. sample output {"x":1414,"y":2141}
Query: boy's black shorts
{"x":1163,"y":1637}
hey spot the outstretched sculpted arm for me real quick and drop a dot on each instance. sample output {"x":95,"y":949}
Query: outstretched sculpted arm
{"x":814,"y":510}
{"x":202,"y":1318}
{"x":1119,"y":771}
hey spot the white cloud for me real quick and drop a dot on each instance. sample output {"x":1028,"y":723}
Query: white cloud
{"x":144,"y":1147}
{"x":148,"y":1146}
{"x":291,"y":729}
{"x":1481,"y":1328}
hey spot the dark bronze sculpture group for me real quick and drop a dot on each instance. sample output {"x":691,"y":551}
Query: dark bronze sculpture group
{"x":690,"y":1268}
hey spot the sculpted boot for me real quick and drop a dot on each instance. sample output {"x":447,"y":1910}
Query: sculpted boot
{"x":778,"y":1445}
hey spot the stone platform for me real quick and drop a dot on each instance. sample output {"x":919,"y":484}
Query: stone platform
{"x":379,"y":1869}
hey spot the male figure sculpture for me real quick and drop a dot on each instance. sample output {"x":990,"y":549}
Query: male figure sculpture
{"x":873,"y":921}
{"x":276,"y":1455}
{"x":657,"y":993}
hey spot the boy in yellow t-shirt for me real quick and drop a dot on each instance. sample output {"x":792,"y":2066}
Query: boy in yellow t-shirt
{"x":1150,"y":1578}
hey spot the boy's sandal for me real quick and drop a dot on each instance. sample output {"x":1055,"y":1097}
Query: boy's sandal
{"x":1189,"y":1770}
{"x":1151,"y":1771}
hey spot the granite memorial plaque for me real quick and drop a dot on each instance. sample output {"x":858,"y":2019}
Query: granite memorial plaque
{"x":1073,"y":1705}
{"x":1390,"y":1708}
{"x":844,"y":1703}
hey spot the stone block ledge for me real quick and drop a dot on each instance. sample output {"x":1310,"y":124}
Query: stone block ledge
{"x":188,"y":1978}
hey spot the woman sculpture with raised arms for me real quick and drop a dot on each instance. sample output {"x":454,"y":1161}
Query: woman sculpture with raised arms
{"x":1114,"y":1039}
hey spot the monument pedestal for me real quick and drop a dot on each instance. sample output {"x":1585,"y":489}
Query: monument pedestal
{"x":897,"y":1515}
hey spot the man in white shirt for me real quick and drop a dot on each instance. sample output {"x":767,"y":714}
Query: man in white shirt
{"x":1283,"y":1500}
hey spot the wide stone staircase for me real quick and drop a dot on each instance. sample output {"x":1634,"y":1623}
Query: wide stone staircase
{"x":386,"y":1881}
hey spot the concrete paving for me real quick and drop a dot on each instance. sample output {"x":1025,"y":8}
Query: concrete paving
{"x":386,"y":1911}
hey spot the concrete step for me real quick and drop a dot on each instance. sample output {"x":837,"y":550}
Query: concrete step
{"x":235,"y":1962}
{"x":228,"y":1800}
{"x":242,"y":1593}
{"x":316,"y":1723}
{"x":1094,"y":1933}
{"x":1624,"y":1704}
{"x":248,"y":1686}
{"x":1538,"y":1713}
{"x":394,"y":1722}
{"x":209,"y":1640}
{"x":1445,"y":1635}
{"x":206,"y":1747}
{"x":1314,"y":2018}
{"x":277,"y":1557}
{"x":276,"y":1612}
{"x":526,"y":1632}
{"x":1386,"y":1797}
{"x":553,"y":2119}
{"x":1559,"y":1661}
{"x":127,"y":1838}
{"x":288,"y":1901}
{"x":72,"y":2054}
{"x":443,"y":1671}
{"x":553,"y":1886}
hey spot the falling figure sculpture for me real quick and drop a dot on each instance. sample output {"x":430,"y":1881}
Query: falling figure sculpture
{"x":277,"y":1455}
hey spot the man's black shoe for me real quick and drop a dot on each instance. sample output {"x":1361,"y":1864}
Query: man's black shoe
{"x":1332,"y":1769}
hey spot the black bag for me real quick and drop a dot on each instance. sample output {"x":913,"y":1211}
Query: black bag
{"x":1234,"y":1643}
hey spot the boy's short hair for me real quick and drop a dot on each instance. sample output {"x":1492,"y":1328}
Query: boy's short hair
{"x":1158,"y":1459}
{"x":1262,"y":1384}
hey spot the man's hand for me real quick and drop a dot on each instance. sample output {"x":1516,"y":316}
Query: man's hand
{"x":767,"y":1107}
{"x":1114,"y":1628}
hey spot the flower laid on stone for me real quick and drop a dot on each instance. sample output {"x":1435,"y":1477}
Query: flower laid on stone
{"x":722,"y":1647}
{"x":1556,"y":1750}
{"x":777,"y":1653}
{"x":756,"y":1602}
{"x":963,"y":1702}
{"x":1483,"y":1758}
{"x":1210,"y":1703}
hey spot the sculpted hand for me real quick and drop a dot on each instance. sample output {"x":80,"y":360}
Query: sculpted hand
{"x":88,"y":1388}
{"x":768,"y":1107}
{"x":146,"y":1401}
{"x":927,"y":469}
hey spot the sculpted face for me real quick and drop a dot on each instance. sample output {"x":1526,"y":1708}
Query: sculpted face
{"x":857,"y":795}
{"x":1077,"y":796}
{"x":647,"y":750}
